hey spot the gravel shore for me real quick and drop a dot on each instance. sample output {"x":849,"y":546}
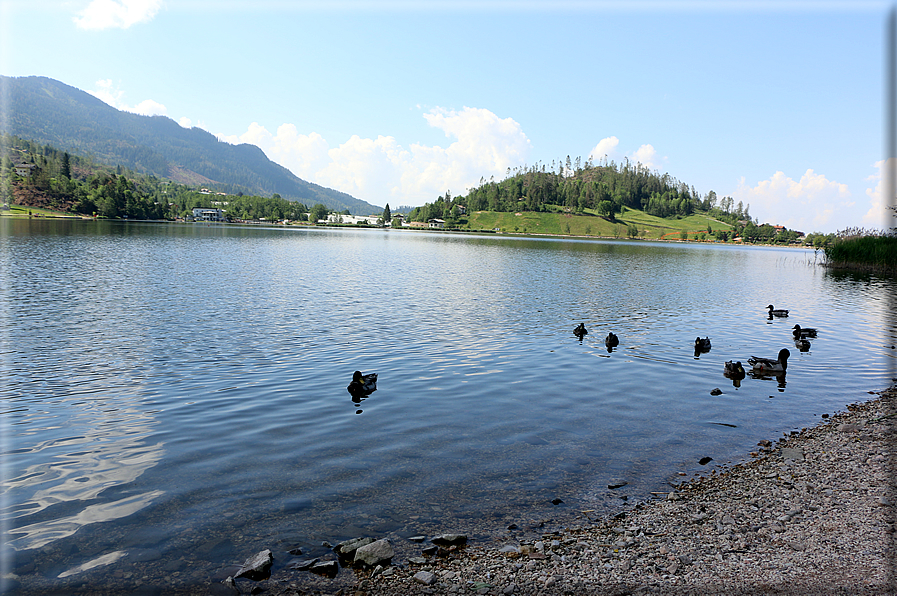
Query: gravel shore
{"x":810,"y":514}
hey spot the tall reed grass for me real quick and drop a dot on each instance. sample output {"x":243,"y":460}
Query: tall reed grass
{"x":864,"y":252}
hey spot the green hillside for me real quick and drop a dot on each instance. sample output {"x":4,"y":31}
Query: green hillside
{"x":49,"y":112}
{"x":590,"y":224}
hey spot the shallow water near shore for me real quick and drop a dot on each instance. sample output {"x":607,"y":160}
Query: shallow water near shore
{"x":175,"y":395}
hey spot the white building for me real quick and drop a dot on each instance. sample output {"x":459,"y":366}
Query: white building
{"x":200,"y":214}
{"x":371,"y":220}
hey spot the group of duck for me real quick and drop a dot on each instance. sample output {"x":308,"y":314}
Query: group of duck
{"x":362,"y":385}
{"x":779,"y":365}
{"x":735,"y":370}
{"x":611,"y":341}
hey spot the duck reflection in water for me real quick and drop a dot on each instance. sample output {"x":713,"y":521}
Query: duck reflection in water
{"x":778,"y":376}
{"x":734,"y":371}
{"x":802,"y":344}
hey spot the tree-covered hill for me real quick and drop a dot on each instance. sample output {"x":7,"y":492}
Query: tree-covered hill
{"x":620,"y":195}
{"x":606,"y":188}
{"x":50,"y":112}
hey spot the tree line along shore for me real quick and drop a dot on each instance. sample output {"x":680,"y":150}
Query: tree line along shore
{"x":572,"y":198}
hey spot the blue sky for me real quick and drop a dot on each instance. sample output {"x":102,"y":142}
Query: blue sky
{"x":779,"y":105}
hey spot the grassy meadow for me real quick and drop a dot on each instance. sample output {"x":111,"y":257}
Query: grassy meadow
{"x":23,"y":211}
{"x":590,"y":224}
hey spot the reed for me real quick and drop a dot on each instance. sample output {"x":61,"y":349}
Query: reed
{"x":864,"y":252}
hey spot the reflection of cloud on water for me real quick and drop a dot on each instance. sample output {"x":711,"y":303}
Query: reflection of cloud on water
{"x":106,"y":559}
{"x":83,"y":476}
{"x":42,"y":533}
{"x":107,"y":458}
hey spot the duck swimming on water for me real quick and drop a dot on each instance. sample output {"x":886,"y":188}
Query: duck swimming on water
{"x":777,"y":312}
{"x":734,"y":370}
{"x":702,"y":345}
{"x":768,"y":365}
{"x":361,"y":384}
{"x":581,"y":331}
{"x":611,"y":341}
{"x":800,"y":332}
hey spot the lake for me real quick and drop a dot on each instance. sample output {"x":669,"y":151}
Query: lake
{"x":174,"y":396}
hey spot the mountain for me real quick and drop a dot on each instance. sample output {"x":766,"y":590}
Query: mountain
{"x":50,"y":112}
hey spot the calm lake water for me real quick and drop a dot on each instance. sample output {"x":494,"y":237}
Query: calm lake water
{"x":174,"y":396}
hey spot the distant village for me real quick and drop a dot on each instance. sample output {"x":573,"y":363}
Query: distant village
{"x":218,"y":214}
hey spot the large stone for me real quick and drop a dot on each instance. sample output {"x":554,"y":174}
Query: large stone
{"x":257,"y":567}
{"x":303,"y":565}
{"x":425,"y":577}
{"x":326,"y":568}
{"x":376,"y":553}
{"x":346,"y":549}
{"x":791,"y":453}
{"x":450,"y":539}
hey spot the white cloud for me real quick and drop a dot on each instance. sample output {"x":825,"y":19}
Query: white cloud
{"x":609,"y":147}
{"x":304,"y":155}
{"x":382,"y":171}
{"x":108,"y":14}
{"x":646,"y":155}
{"x":109,"y":93}
{"x":148,"y":107}
{"x":185,"y":122}
{"x":605,"y":147}
{"x":812,"y":204}
{"x":878,"y":216}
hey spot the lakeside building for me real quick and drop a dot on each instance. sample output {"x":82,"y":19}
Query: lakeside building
{"x":200,"y":214}
{"x":371,"y":220}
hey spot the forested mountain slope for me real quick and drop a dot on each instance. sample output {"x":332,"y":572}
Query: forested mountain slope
{"x":48,"y":111}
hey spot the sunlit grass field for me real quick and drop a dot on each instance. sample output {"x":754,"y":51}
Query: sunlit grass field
{"x":590,"y":224}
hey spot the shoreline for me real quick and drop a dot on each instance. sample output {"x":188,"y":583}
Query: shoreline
{"x":812,"y":513}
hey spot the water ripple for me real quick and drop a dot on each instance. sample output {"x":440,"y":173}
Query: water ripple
{"x":194,"y":379}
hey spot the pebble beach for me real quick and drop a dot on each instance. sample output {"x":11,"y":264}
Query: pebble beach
{"x":810,"y":513}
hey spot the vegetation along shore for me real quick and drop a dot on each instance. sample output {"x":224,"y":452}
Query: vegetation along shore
{"x":865,"y":251}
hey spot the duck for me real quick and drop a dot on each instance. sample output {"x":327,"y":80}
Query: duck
{"x":777,"y":312}
{"x":767,"y":365}
{"x":734,"y":370}
{"x":702,"y":345}
{"x":362,"y":384}
{"x":580,"y":331}
{"x":611,"y":341}
{"x":800,"y":332}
